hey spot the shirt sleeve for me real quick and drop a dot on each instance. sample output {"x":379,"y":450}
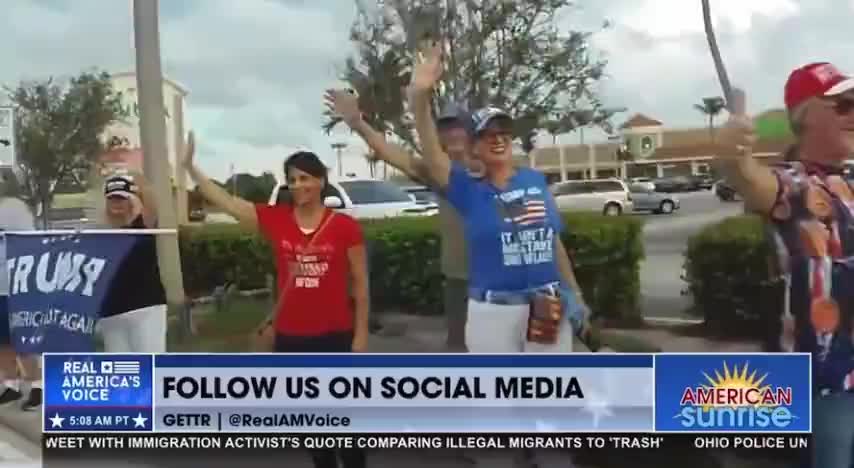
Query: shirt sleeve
{"x":460,"y":189}
{"x":269,"y":217}
{"x":137,"y":223}
{"x":787,"y":191}
{"x":352,"y":232}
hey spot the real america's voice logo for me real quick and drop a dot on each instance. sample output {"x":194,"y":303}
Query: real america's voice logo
{"x":736,"y":398}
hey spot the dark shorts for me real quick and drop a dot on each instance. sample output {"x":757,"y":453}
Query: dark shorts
{"x":337,"y":342}
{"x":5,"y":333}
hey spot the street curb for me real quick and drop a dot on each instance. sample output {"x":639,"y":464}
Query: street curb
{"x":25,"y":424}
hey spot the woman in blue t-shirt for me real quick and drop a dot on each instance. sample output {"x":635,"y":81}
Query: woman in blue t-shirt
{"x":512,"y":229}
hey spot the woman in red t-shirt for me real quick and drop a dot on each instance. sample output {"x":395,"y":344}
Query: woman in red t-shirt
{"x":320,"y":255}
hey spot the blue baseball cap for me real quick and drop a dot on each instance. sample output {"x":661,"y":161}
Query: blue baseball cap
{"x":485,"y":116}
{"x":453,"y":114}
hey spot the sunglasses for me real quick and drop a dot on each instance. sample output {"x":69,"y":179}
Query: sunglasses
{"x":496,"y":135}
{"x":841,"y":105}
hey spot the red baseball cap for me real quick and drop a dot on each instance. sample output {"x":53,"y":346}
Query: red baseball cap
{"x":815,"y":80}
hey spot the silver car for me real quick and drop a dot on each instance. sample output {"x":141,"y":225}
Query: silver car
{"x":610,"y":197}
{"x":647,"y":199}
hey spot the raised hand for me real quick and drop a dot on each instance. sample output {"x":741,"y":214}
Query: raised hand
{"x":738,"y":132}
{"x":427,"y":72}
{"x":189,"y":150}
{"x":344,"y":104}
{"x":139,"y":180}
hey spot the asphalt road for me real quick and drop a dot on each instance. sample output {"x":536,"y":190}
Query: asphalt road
{"x":665,"y":240}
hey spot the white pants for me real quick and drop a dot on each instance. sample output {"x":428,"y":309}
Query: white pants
{"x":136,"y":331}
{"x":493,"y":328}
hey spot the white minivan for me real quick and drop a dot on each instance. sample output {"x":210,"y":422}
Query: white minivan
{"x":610,"y":197}
{"x":364,"y":199}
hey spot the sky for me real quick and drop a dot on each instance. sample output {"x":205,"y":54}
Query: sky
{"x":256,"y":69}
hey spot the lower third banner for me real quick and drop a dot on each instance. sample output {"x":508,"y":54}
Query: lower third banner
{"x":57,"y":284}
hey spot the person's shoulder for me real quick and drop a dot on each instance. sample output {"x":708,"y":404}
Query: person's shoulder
{"x":465,"y":171}
{"x":788,"y":167}
{"x":344,"y":220}
{"x":346,"y":228}
{"x":137,"y":223}
{"x":278,"y":210}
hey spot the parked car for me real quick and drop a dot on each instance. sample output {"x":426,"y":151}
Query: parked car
{"x":363,"y":199}
{"x":677,"y":184}
{"x":68,"y":218}
{"x":645,"y":198}
{"x":610,"y":197}
{"x":423,"y":196}
{"x":646,"y":185}
{"x":638,"y":180}
{"x":704,"y":181}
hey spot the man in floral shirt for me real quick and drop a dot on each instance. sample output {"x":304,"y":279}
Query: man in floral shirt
{"x":810,"y":207}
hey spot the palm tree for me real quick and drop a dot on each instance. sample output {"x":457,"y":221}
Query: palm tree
{"x":554,"y":128}
{"x":711,"y":107}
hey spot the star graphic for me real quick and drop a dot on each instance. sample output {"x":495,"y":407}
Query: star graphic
{"x":597,"y":407}
{"x":139,"y":421}
{"x":56,"y":421}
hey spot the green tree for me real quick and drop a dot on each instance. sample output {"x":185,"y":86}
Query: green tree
{"x":509,"y":54}
{"x":58,"y":131}
{"x":256,"y":189}
{"x":711,"y":107}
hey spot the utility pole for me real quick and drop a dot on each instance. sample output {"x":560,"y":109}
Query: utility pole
{"x":339,"y":148}
{"x":233,"y":180}
{"x":152,"y":128}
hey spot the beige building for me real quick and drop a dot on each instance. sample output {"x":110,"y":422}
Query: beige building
{"x":656,"y":151}
{"x":174,"y":96}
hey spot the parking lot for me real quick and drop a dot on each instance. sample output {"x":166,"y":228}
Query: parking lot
{"x":665,"y":239}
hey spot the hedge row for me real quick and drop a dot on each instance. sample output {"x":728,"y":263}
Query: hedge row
{"x":404,"y":262}
{"x":729,"y":271}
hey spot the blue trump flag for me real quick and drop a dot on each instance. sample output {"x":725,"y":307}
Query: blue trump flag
{"x":57,"y":284}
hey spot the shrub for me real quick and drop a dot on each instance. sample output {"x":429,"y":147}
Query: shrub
{"x":405,"y":269}
{"x":728,"y":269}
{"x":606,"y":252}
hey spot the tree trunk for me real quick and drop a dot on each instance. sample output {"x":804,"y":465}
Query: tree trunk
{"x":44,"y":200}
{"x":712,"y":128}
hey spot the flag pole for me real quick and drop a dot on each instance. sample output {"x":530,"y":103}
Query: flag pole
{"x":152,"y":127}
{"x":723,"y":77}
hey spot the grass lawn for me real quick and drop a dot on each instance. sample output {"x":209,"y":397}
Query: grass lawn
{"x":71,"y":200}
{"x":623,"y":343}
{"x":222,"y":331}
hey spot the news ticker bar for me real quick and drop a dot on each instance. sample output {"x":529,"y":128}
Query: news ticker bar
{"x":59,"y":444}
{"x":424,"y":393}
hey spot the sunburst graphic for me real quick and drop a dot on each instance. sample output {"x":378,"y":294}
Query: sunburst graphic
{"x":737,"y":379}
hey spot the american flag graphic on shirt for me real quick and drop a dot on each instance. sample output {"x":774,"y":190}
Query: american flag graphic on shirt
{"x":527,"y":212}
